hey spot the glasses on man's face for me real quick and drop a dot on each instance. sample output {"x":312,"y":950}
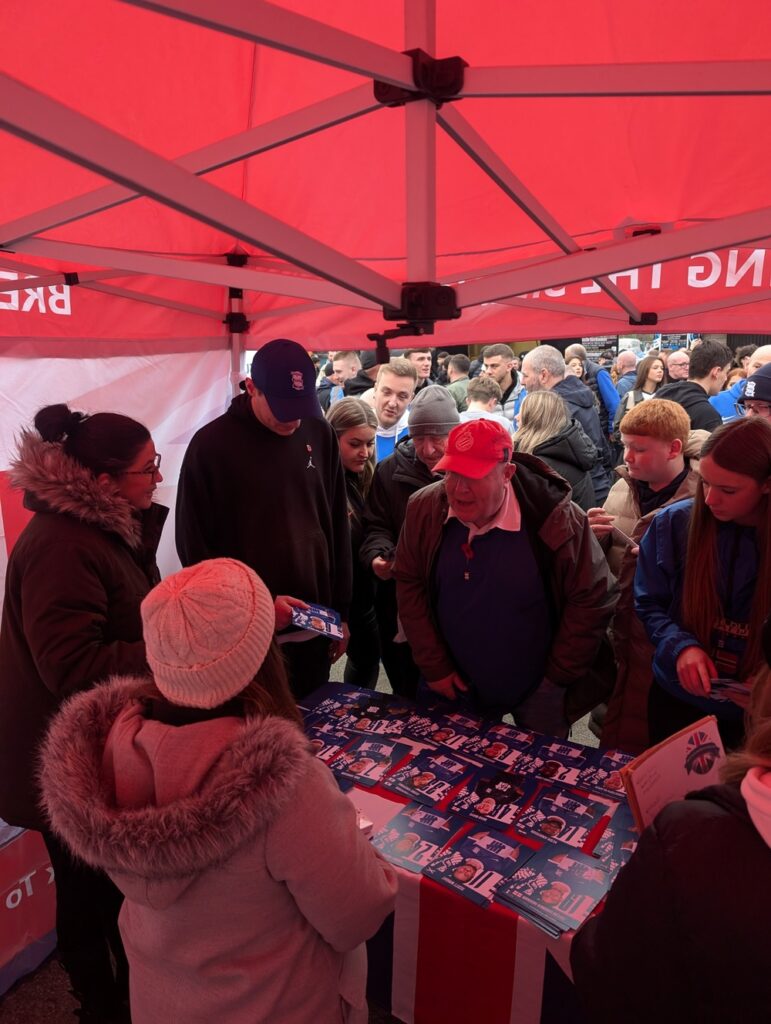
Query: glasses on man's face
{"x":752,"y":408}
{"x":150,"y":469}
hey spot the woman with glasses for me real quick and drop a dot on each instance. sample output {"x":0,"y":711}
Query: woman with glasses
{"x":75,"y":580}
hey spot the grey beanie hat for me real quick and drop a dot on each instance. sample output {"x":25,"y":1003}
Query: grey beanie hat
{"x":433,"y":411}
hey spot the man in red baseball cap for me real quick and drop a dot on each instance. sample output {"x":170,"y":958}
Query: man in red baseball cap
{"x":504,"y":593}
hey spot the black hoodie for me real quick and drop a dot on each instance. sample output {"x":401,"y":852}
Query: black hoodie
{"x":695,"y":400}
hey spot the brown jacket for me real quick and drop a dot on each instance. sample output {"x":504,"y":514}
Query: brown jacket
{"x":581,"y":590}
{"x":626,"y":721}
{"x":75,"y":580}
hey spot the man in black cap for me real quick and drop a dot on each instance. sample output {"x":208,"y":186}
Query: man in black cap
{"x":263,"y":483}
{"x":756,"y":400}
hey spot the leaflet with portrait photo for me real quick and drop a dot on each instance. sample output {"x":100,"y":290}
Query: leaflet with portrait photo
{"x":602,"y":773}
{"x":414,"y":836}
{"x":366,"y":761}
{"x":429,"y":777}
{"x":477,"y":864}
{"x":562,"y":816}
{"x":558,"y":887}
{"x":329,"y":699}
{"x":500,"y":743}
{"x":556,"y":761}
{"x":326,"y":739}
{"x":494,"y":796}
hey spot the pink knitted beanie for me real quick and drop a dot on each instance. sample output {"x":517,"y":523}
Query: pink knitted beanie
{"x":207,"y":630}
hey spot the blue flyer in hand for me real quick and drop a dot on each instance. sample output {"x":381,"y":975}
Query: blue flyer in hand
{"x":501,"y":743}
{"x":318,"y":619}
{"x":560,"y":887}
{"x":478,"y":864}
{"x":367,"y":761}
{"x":602,"y":773}
{"x":560,"y":815}
{"x":415,"y":835}
{"x":494,"y":796}
{"x":428,"y":777}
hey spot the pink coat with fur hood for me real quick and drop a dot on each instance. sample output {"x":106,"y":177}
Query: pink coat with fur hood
{"x":249,"y":888}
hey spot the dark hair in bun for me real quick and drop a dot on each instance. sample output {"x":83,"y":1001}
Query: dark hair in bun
{"x":104,"y":443}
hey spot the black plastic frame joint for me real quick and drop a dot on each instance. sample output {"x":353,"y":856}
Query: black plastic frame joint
{"x":646,"y":320}
{"x":237,"y":323}
{"x":436,"y":79}
{"x":425,"y":301}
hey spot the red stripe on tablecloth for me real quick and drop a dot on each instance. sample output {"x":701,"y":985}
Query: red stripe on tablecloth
{"x":466,"y":955}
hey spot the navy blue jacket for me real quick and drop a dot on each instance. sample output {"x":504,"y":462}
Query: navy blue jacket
{"x":658,"y":587}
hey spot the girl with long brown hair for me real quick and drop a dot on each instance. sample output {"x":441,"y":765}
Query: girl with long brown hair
{"x":355,"y":424}
{"x":703,"y":583}
{"x":651,"y":375}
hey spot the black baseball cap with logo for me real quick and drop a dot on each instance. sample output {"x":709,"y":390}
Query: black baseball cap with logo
{"x":285,"y":374}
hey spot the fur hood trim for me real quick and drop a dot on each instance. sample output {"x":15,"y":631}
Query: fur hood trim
{"x":59,"y":483}
{"x":183,"y":838}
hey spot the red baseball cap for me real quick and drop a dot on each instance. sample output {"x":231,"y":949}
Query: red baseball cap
{"x":474,"y":448}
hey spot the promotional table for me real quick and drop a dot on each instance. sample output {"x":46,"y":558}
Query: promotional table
{"x":445,"y":960}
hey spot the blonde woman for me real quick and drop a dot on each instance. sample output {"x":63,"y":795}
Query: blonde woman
{"x":546,"y":430}
{"x":354,"y":422}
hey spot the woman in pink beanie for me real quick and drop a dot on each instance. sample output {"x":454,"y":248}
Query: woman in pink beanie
{"x":249,"y":889}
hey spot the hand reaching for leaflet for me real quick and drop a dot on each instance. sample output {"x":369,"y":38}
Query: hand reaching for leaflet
{"x":449,"y":687}
{"x":283,"y":606}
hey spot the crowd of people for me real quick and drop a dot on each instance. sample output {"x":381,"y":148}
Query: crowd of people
{"x":542,"y":537}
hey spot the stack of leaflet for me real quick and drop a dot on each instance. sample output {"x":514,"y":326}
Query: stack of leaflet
{"x":414,"y":836}
{"x":478,"y":864}
{"x":557,"y":889}
{"x":497,"y":813}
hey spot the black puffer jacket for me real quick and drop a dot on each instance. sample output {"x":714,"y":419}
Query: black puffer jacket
{"x":571,"y":454}
{"x":396,"y":478}
{"x":582,"y":407}
{"x":684,"y":934}
{"x":76,"y":578}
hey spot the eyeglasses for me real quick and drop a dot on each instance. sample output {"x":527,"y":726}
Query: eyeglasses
{"x":147,"y":471}
{"x":758,"y":408}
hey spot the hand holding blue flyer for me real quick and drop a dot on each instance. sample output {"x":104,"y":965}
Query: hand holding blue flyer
{"x":318,"y":619}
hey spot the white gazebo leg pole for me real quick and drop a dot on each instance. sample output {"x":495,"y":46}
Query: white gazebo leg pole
{"x":420,"y":150}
